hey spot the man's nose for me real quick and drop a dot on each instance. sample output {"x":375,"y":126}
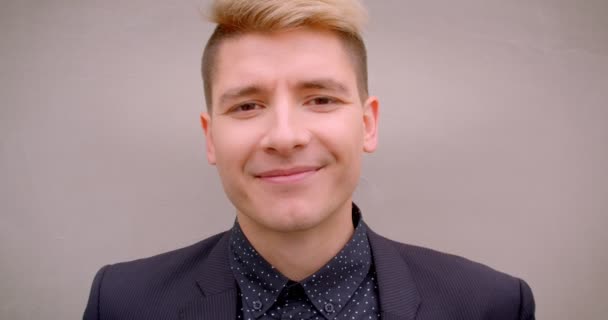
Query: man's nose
{"x":287,"y":131}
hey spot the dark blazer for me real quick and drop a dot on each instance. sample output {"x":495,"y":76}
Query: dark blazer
{"x":414,"y":283}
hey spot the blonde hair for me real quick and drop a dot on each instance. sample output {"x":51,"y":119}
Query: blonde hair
{"x":236,"y":17}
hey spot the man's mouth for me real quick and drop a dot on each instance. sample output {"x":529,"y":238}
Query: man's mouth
{"x":288,"y":175}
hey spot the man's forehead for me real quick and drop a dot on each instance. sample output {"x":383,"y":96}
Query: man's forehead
{"x":301,"y":56}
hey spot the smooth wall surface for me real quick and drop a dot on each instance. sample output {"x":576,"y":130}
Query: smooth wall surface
{"x":494,"y":142}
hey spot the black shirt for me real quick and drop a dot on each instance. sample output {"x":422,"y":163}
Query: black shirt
{"x":345,"y":288}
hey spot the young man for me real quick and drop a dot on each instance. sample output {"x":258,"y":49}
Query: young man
{"x":288,"y":118}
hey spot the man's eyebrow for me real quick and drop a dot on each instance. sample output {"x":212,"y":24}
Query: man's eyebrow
{"x":324,"y":84}
{"x":239,"y":92}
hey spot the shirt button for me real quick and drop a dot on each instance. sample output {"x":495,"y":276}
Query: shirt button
{"x":257,"y":305}
{"x":329,"y":308}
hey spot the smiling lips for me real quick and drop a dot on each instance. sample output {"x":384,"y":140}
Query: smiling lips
{"x":290,"y":175}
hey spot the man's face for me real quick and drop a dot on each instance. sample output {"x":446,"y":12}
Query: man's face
{"x":288,"y":127}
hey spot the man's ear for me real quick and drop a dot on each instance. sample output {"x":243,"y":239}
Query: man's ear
{"x":370,"y":124}
{"x":206,"y":124}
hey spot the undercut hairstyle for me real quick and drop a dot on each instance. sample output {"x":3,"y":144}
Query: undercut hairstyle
{"x":237,"y":17}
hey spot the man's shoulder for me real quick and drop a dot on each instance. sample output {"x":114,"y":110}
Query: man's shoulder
{"x":433,"y":266}
{"x":167,"y":272}
{"x":441,"y":264}
{"x":441,"y":279}
{"x":157,"y":286}
{"x":183,"y":259}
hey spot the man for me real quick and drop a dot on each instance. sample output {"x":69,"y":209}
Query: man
{"x":288,"y":118}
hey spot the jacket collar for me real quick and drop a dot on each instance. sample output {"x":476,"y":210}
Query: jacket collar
{"x":399,"y":298}
{"x":219,"y":290}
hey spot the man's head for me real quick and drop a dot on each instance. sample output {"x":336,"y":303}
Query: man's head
{"x":288,"y":113}
{"x":237,"y":17}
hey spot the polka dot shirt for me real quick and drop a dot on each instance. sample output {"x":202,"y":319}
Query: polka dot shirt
{"x":345,"y":288}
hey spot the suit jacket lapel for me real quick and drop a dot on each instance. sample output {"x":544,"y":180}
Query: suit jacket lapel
{"x":399,"y":298}
{"x":217,"y":285}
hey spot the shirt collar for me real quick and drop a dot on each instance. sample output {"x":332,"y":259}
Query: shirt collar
{"x":334,"y":283}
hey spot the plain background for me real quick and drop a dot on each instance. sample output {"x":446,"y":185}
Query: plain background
{"x":493,"y":142}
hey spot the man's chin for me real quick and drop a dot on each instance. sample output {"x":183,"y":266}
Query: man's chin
{"x":288,"y":219}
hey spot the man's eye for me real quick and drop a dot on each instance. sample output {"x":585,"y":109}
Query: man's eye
{"x":247,"y":107}
{"x":322,"y":101}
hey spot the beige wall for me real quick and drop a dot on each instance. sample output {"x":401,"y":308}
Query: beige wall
{"x":494,"y":142}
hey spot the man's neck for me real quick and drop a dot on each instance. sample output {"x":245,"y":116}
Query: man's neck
{"x":299,"y":254}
